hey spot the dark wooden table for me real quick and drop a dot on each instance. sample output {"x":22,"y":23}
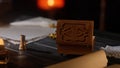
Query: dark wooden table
{"x":25,"y":60}
{"x":38,"y":54}
{"x":42,"y":53}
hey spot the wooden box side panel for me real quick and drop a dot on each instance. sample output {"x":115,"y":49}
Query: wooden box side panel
{"x":75,"y":32}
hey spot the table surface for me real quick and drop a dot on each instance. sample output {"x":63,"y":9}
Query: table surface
{"x":38,"y":54}
{"x":43,"y":53}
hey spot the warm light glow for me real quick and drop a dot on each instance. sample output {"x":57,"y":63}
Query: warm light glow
{"x":1,"y":42}
{"x":50,"y":2}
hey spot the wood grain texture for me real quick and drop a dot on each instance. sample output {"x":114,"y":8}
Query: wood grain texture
{"x":75,"y":35}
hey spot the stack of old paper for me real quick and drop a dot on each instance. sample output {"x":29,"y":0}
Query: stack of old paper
{"x":33,"y":29}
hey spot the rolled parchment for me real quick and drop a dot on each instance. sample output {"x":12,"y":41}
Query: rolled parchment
{"x":93,"y":60}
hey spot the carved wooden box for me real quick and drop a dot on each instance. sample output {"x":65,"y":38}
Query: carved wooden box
{"x":75,"y":33}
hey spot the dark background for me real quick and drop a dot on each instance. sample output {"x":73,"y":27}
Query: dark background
{"x":77,"y":9}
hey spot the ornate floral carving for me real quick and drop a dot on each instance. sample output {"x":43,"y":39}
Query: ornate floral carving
{"x":73,"y":33}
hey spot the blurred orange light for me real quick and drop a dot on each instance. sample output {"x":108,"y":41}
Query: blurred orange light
{"x":50,"y":4}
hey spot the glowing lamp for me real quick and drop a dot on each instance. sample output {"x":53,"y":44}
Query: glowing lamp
{"x":50,"y":4}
